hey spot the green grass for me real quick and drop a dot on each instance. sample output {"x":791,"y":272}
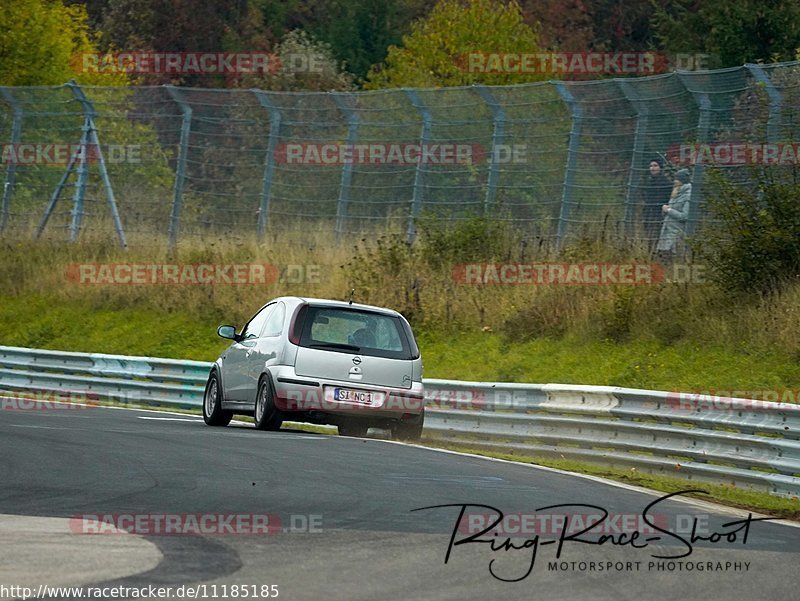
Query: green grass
{"x":75,"y":325}
{"x":70,"y":325}
{"x":636,"y":364}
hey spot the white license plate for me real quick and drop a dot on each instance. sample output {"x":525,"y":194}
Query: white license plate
{"x":352,"y":396}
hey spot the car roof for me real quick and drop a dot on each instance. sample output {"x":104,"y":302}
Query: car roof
{"x":325,"y":302}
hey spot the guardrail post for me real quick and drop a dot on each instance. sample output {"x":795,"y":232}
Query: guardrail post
{"x":347,"y":168}
{"x":642,"y":118}
{"x":572,"y":157}
{"x":775,"y":102}
{"x":498,"y":136}
{"x":180,"y":168}
{"x":269,"y":160}
{"x":16,"y":132}
{"x":419,"y":181}
{"x":703,"y":132}
{"x":94,"y":140}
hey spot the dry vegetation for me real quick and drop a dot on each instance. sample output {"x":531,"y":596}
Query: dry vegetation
{"x":418,"y":281}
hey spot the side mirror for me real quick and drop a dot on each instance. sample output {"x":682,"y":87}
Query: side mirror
{"x":228,"y":332}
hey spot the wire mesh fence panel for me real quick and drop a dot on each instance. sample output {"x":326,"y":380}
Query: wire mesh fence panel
{"x":560,"y":160}
{"x":531,"y":172}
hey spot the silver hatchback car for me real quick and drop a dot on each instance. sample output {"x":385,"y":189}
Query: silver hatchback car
{"x":320,"y":361}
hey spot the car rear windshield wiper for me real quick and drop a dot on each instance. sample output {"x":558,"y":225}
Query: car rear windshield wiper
{"x":344,"y":347}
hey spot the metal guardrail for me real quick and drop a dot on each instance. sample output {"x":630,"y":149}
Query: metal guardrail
{"x":740,"y":442}
{"x":126,"y":379}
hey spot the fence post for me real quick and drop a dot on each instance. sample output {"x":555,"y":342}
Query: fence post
{"x":54,"y":197}
{"x":572,"y":157}
{"x":16,"y":131}
{"x":642,"y":118}
{"x":83,"y":172}
{"x":424,"y":138}
{"x":703,"y":131}
{"x":498,"y":136}
{"x":180,"y":168}
{"x":775,"y":102}
{"x":94,"y":140}
{"x":347,"y":168}
{"x":269,"y":160}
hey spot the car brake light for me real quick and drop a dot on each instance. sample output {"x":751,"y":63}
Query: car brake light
{"x":296,"y":327}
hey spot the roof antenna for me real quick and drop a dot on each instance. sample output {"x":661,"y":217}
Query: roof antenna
{"x":352,"y":292}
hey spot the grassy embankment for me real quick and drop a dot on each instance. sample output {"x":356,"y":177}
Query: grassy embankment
{"x":666,"y":337}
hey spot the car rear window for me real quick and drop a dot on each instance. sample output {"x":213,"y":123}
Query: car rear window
{"x":356,"y":331}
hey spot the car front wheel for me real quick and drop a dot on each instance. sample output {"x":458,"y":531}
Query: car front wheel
{"x":213,"y":414}
{"x":265,"y":414}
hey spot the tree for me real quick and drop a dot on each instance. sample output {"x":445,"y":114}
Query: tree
{"x":191,"y":26}
{"x":358,"y":32}
{"x":597,"y":26}
{"x":361,"y":32}
{"x":733,"y":33}
{"x":565,"y":25}
{"x":42,"y":44}
{"x":305,"y":64}
{"x":440,"y":48}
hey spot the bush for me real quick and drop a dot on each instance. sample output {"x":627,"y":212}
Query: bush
{"x":444,"y":243}
{"x":753,"y":241}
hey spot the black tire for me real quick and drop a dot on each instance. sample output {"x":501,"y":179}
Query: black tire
{"x":353,"y":428}
{"x":410,"y":430}
{"x":213,"y":413}
{"x":265,"y":414}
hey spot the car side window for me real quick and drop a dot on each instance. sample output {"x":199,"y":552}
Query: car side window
{"x":274,"y":324}
{"x":256,"y":324}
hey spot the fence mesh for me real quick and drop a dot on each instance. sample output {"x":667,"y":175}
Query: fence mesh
{"x":557,"y":159}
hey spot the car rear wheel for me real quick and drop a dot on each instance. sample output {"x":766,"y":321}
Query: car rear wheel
{"x":410,"y":430}
{"x":213,"y":414}
{"x":266,"y":414}
{"x":353,"y":428}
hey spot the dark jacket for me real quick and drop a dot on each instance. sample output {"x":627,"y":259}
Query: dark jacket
{"x":655,"y":192}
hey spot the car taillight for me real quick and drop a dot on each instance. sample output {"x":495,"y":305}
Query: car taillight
{"x":296,"y":327}
{"x":412,"y":343}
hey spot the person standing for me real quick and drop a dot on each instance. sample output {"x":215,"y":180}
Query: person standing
{"x":676,"y":216}
{"x":656,"y":191}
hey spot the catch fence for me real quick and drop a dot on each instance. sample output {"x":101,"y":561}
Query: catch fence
{"x":558,"y":159}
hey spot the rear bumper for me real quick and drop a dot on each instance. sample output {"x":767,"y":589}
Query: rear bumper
{"x":295,"y":393}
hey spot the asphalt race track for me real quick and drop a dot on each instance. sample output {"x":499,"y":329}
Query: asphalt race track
{"x":342,"y":524}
